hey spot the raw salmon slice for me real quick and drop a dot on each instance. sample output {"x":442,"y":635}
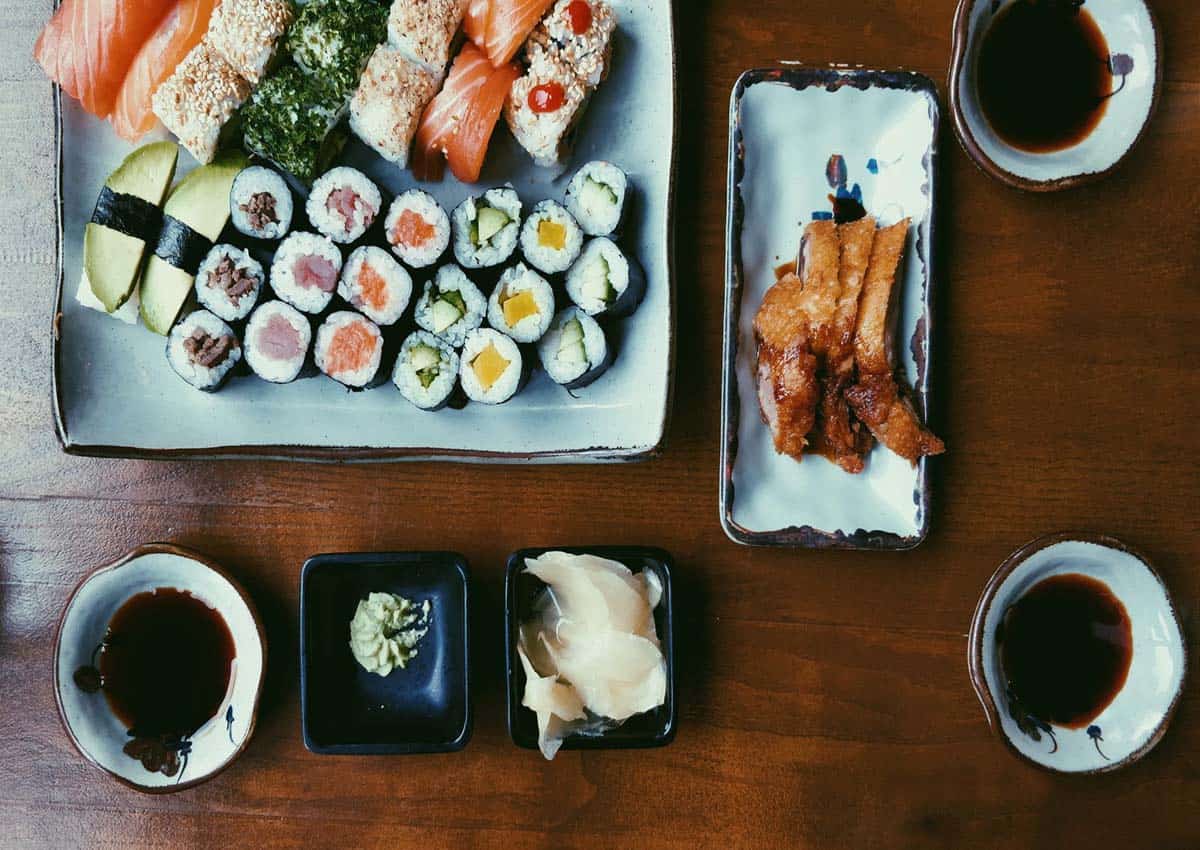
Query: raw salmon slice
{"x":468,"y":74}
{"x":509,"y":23}
{"x":475,"y":22}
{"x":468,"y":146}
{"x":89,"y":46}
{"x":351,"y":348}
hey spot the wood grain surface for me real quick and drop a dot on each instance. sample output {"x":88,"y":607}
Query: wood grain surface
{"x":824,"y":696}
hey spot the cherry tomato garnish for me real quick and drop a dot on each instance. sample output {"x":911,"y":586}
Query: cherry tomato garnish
{"x":548,"y":97}
{"x":580,"y":14}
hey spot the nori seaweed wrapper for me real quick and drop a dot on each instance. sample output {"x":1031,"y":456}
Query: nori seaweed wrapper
{"x":128,"y":214}
{"x":333,"y":39}
{"x":180,"y":246}
{"x":288,"y":120}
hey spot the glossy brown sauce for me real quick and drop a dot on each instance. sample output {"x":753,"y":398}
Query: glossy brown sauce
{"x":165,"y":663}
{"x":1043,"y":74}
{"x":1065,"y":647}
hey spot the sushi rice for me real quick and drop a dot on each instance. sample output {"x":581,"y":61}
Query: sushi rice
{"x":343,"y":204}
{"x":596,"y":197}
{"x":551,"y":238}
{"x":574,"y":351}
{"x":522,"y":304}
{"x":305,"y":271}
{"x":426,"y":370}
{"x":603,"y":281}
{"x":486,"y":229}
{"x":277,"y":340}
{"x":260,"y":203}
{"x":491,"y":368}
{"x":229,"y":282}
{"x":349,"y":348}
{"x":375,"y":284}
{"x":417,"y":228}
{"x":451,"y":305}
{"x":203,"y":350}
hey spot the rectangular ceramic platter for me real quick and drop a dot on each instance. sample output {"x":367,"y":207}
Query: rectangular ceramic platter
{"x":785,"y":124}
{"x":115,"y":394}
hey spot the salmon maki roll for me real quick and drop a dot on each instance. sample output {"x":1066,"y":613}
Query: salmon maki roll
{"x":376,"y":284}
{"x":349,"y":349}
{"x":197,"y":101}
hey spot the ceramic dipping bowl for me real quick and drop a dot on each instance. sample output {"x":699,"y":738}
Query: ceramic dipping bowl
{"x":1138,"y":715}
{"x":86,"y":715}
{"x":423,"y":708}
{"x":1135,"y":49}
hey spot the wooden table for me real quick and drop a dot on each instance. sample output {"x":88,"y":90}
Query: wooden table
{"x":824,"y":696}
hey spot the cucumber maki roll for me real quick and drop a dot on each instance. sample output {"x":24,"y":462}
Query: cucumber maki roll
{"x":343,"y":204}
{"x":491,"y":367}
{"x":305,"y":271}
{"x":417,"y":228}
{"x":451,"y":306}
{"x":551,"y":238}
{"x":522,"y":304}
{"x":228,"y":282}
{"x":426,"y":371}
{"x":260,"y":203}
{"x":603,"y":281}
{"x":596,"y":197}
{"x":486,"y":228}
{"x":278,"y":337}
{"x":333,"y":39}
{"x":574,"y":351}
{"x":203,"y":350}
{"x":290,"y":121}
{"x":376,"y":284}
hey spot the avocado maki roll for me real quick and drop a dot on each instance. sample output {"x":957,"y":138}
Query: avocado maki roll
{"x":451,"y":306}
{"x":522,"y":304}
{"x":260,"y":203}
{"x":603,"y":281}
{"x":228,"y":282}
{"x":375,"y":284}
{"x":277,"y":341}
{"x":426,"y":371}
{"x":305,"y":271}
{"x":290,"y":120}
{"x":574,"y":352}
{"x":596,"y":197}
{"x":343,"y":204}
{"x":551,"y":238}
{"x":203,"y":350}
{"x":333,"y":39}
{"x":491,"y":367}
{"x":486,"y":228}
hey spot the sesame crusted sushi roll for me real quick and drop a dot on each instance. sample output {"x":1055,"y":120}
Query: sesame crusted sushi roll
{"x":424,"y":30}
{"x":198,"y":99}
{"x":376,"y":284}
{"x":574,"y":352}
{"x":343,"y":204}
{"x":349,"y":348}
{"x":451,"y":306}
{"x":278,"y":337}
{"x":305,"y":271}
{"x":604,"y":281}
{"x":260,"y":203}
{"x":426,"y":371}
{"x":596,"y":197}
{"x":544,"y":107}
{"x":203,"y":350}
{"x":491,"y":368}
{"x":387,"y":105}
{"x":417,"y":228}
{"x":247,"y":33}
{"x":486,"y":228}
{"x":582,"y":31}
{"x":228,"y":282}
{"x":551,"y":238}
{"x":522,"y":304}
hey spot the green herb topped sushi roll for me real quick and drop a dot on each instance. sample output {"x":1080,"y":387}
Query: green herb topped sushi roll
{"x":289,"y":118}
{"x":333,"y":39}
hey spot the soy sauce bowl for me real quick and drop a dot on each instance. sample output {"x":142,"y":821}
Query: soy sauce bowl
{"x":1135,"y":49}
{"x":1137,"y":717}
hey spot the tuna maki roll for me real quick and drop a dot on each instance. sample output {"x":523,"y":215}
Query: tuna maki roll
{"x":203,"y":350}
{"x":596,"y":197}
{"x":451,"y":306}
{"x":417,"y":228}
{"x":522,"y":304}
{"x":343,"y":204}
{"x":260,"y":203}
{"x":278,"y":337}
{"x":486,"y":228}
{"x":574,"y":351}
{"x":551,"y":238}
{"x":426,"y":371}
{"x":305,"y":271}
{"x":604,"y":282}
{"x":376,"y":284}
{"x":349,"y":348}
{"x":290,"y":120}
{"x":333,"y":39}
{"x":228,"y":282}
{"x":491,"y":368}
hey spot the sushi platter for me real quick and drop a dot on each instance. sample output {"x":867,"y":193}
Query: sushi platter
{"x":372,"y":282}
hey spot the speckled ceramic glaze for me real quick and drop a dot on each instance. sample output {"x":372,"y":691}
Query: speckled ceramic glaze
{"x":89,"y":721}
{"x":797,"y":136}
{"x":1138,"y":716}
{"x":1135,"y":47}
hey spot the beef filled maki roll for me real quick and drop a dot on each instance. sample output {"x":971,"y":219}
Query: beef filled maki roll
{"x":343,"y":204}
{"x":551,"y":238}
{"x":277,"y":340}
{"x":376,"y":284}
{"x":491,"y":368}
{"x":305,"y":271}
{"x":349,"y":348}
{"x":522,"y":304}
{"x":426,"y":371}
{"x":417,"y":228}
{"x":574,"y":352}
{"x":596,"y":197}
{"x":603,"y":281}
{"x":486,"y":228}
{"x":260,"y":203}
{"x":228,"y":282}
{"x":451,"y":306}
{"x":202,"y":349}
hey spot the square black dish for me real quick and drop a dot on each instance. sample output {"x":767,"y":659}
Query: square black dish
{"x":651,"y":729}
{"x":424,"y":708}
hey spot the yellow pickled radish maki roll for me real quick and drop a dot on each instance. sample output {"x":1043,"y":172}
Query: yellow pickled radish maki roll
{"x":491,"y":367}
{"x":522,"y":304}
{"x":551,"y":238}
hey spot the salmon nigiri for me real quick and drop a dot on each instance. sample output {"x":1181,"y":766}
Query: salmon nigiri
{"x":133,"y":116}
{"x":89,"y":45}
{"x":509,"y":23}
{"x":468,"y":75}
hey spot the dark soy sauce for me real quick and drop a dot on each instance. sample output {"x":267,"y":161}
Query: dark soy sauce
{"x":1065,"y":647}
{"x":1043,"y":74}
{"x":165,"y":663}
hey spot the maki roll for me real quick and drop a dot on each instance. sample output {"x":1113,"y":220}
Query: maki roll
{"x":260,"y":203}
{"x":451,"y":305}
{"x":522,"y":304}
{"x":596,"y":197}
{"x":491,"y":368}
{"x":290,"y":120}
{"x":486,"y":228}
{"x":343,"y":204}
{"x":376,"y":284}
{"x":203,"y":350}
{"x":604,"y":282}
{"x":417,"y":228}
{"x":228,"y":282}
{"x":305,"y":271}
{"x":426,"y":370}
{"x":551,"y":238}
{"x":278,"y":337}
{"x":333,"y":39}
{"x":574,"y":351}
{"x":349,"y":348}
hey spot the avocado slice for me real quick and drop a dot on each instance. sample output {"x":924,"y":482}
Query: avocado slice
{"x":111,"y":259}
{"x":490,"y":222}
{"x":201,"y":201}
